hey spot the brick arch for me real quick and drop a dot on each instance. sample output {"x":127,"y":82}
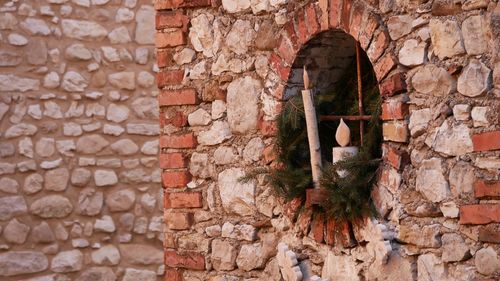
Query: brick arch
{"x":358,"y":20}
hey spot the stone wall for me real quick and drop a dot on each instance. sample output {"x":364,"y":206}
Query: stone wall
{"x":224,"y":67}
{"x":80,"y":195}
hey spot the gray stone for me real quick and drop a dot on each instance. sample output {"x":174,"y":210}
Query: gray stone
{"x":51,"y":80}
{"x":240,"y":231}
{"x":119,"y":35}
{"x":13,"y":83}
{"x":74,"y":82}
{"x":7,"y":168}
{"x":33,"y":184}
{"x":199,"y":166}
{"x":236,"y":6}
{"x":474,"y":30}
{"x":145,"y":79}
{"x":223,"y":255}
{"x":42,"y":233}
{"x":452,"y":140}
{"x":479,"y":116}
{"x":251,"y":256}
{"x":461,"y":179}
{"x":117,"y":113}
{"x":35,"y":26}
{"x":57,"y":179}
{"x":412,"y":53}
{"x":71,"y":129}
{"x":426,"y":236}
{"x":7,"y":21}
{"x":218,"y":133}
{"x":399,"y":26}
{"x":253,"y":150}
{"x":83,"y":30}
{"x":52,"y":110}
{"x":105,"y":178}
{"x":237,"y":197}
{"x":241,"y":36}
{"x":146,"y":108}
{"x":67,"y":261}
{"x":185,"y":56}
{"x":9,"y":185}
{"x":461,"y":112}
{"x":16,"y":39}
{"x":419,"y":121}
{"x":199,"y":117}
{"x":449,"y":209}
{"x":433,"y":80}
{"x":124,"y":147}
{"x":139,"y":254}
{"x":474,"y":79}
{"x":111,"y":54}
{"x":122,"y":80}
{"x":22,"y":262}
{"x":430,"y":181}
{"x":97,"y":274}
{"x":339,"y":268}
{"x":107,"y":255}
{"x":396,"y":269}
{"x":204,"y":34}
{"x":430,"y":267}
{"x":80,"y":177}
{"x":90,"y":202}
{"x":242,"y":109}
{"x":9,"y":58}
{"x":218,"y":109}
{"x":136,"y":274}
{"x":446,"y":38}
{"x":124,"y":15}
{"x":91,"y":144}
{"x":11,"y":206}
{"x":150,"y":147}
{"x":145,"y":25}
{"x":213,"y":231}
{"x":105,"y":224}
{"x":454,"y":248}
{"x":78,"y":52}
{"x":487,"y":261}
{"x":16,"y":232}
{"x":51,"y":206}
{"x":121,"y":200}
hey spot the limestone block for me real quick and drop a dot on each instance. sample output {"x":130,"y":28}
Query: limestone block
{"x":446,"y":38}
{"x":237,"y":197}
{"x":242,"y":109}
{"x":474,"y":79}
{"x":223,"y":255}
{"x":22,"y":262}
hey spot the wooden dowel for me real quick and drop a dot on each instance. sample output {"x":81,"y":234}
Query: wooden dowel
{"x":360,"y":91}
{"x":349,"y":118}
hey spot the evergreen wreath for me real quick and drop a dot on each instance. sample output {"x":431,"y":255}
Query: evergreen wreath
{"x":348,"y":198}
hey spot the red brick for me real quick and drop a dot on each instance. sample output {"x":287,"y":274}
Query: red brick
{"x":393,"y":85}
{"x":391,"y":179}
{"x":174,"y":4}
{"x":174,"y":160}
{"x":178,"y":97}
{"x":180,"y":200}
{"x":318,"y":227}
{"x":175,"y":179}
{"x":188,"y":260}
{"x":398,"y":159}
{"x":278,"y":66}
{"x":173,"y":274}
{"x":169,"y":78}
{"x":346,"y":15}
{"x":378,"y":46}
{"x":356,"y":20}
{"x":290,"y":209}
{"x":394,"y":110}
{"x":169,"y":19}
{"x":324,"y":17}
{"x":304,"y":220}
{"x":170,"y":39}
{"x":490,"y":233}
{"x":479,"y":214}
{"x":345,"y":235}
{"x":384,"y":66}
{"x":176,"y":119}
{"x":486,"y":189}
{"x":269,"y":154}
{"x":169,"y":240}
{"x":301,"y":30}
{"x":187,"y":140}
{"x":279,"y":92}
{"x":165,"y":58}
{"x":268,"y":128}
{"x":335,"y":13}
{"x":330,"y":232}
{"x":369,"y":26}
{"x":178,"y":221}
{"x":286,"y":51}
{"x":312,"y":21}
{"x":486,"y":141}
{"x":289,"y":32}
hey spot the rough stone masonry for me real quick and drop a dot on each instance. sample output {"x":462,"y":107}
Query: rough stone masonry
{"x":80,"y":194}
{"x":225,"y":68}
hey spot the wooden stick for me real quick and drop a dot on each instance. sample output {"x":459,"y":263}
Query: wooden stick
{"x":345,"y":117}
{"x":360,"y":90}
{"x":312,"y":130}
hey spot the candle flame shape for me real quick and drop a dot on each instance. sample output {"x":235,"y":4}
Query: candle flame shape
{"x":343,"y":134}
{"x":307,"y":81}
